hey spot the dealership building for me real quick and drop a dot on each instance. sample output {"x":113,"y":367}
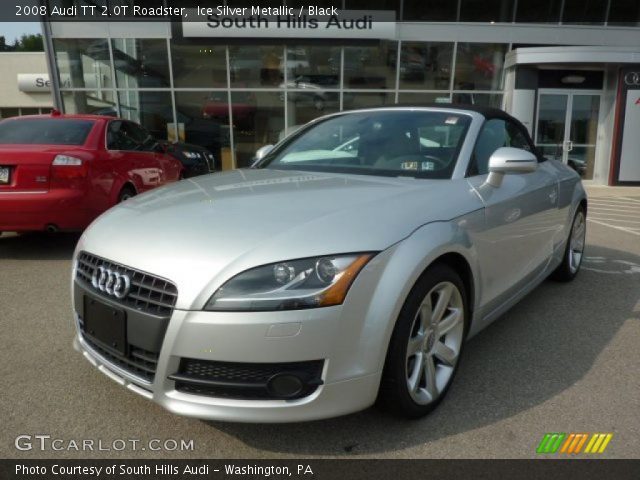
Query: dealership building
{"x":568,"y":69}
{"x":24,"y":84}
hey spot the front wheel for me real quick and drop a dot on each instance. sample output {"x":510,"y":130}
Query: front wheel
{"x":426,"y":344}
{"x":574,"y":250}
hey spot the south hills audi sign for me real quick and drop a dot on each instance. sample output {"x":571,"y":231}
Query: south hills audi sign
{"x":300,"y":23}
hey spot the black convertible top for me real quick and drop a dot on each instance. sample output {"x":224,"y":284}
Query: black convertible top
{"x":487,"y":112}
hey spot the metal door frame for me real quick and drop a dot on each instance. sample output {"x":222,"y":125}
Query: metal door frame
{"x":567,"y":143}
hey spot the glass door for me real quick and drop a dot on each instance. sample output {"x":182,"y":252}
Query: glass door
{"x":567,"y":127}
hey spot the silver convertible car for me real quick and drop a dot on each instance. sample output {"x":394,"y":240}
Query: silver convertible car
{"x":346,"y":267}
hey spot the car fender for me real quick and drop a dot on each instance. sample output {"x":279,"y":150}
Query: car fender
{"x":382,"y":288}
{"x":119,"y":182}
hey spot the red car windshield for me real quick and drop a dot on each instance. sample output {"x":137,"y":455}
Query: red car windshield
{"x":44,"y":131}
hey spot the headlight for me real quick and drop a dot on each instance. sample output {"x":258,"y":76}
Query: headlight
{"x":191,"y":155}
{"x":307,"y":283}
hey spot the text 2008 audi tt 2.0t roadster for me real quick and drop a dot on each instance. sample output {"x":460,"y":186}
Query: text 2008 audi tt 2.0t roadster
{"x":326,"y":278}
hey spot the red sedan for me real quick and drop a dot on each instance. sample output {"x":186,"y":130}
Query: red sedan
{"x":60,"y":172}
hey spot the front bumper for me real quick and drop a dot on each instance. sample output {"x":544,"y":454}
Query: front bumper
{"x":260,"y":337}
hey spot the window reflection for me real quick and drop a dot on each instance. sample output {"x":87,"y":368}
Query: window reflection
{"x":479,"y":66}
{"x":258,"y":120}
{"x":251,"y":66}
{"x":152,"y":110}
{"x":422,"y":98}
{"x":203,"y":119}
{"x":141,"y":63}
{"x":199,"y":66}
{"x":83,"y":63}
{"x":425,"y":65}
{"x":96,"y":103}
{"x":370,"y":67}
{"x":353,"y":100}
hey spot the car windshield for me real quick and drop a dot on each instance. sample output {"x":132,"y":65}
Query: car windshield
{"x":44,"y":131}
{"x":417,"y":143}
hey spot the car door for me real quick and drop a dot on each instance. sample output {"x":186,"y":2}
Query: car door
{"x":521,"y":215}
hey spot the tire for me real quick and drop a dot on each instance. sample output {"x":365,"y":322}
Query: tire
{"x":126,"y":193}
{"x":574,"y":251}
{"x":416,"y":379}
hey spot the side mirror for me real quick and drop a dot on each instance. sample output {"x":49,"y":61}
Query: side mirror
{"x":510,"y":160}
{"x":261,"y":153}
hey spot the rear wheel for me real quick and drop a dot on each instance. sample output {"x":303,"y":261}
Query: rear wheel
{"x":574,"y":250}
{"x":426,"y":344}
{"x":126,"y":193}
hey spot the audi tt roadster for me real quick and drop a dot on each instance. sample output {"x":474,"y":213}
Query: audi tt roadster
{"x":346,"y":267}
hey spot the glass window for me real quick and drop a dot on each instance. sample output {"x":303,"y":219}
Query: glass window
{"x":203,"y":119}
{"x":480,"y":99}
{"x":372,"y":5}
{"x":430,"y":10}
{"x":152,"y":110}
{"x":258,"y":120}
{"x":370,"y":66}
{"x":584,"y":11}
{"x":141,"y":63}
{"x":29,"y":111}
{"x":624,"y":12}
{"x":305,"y":105}
{"x":256,"y":66}
{"x":199,"y":66}
{"x":386,"y":143}
{"x":128,"y":136}
{"x":495,"y":133}
{"x":83,"y":63}
{"x":313,"y":65}
{"x":353,"y":100}
{"x":486,"y":10}
{"x":422,"y":98}
{"x":425,"y":66}
{"x":9,"y":112}
{"x":538,"y":11}
{"x":96,"y":103}
{"x":479,"y":66}
{"x":45,"y":131}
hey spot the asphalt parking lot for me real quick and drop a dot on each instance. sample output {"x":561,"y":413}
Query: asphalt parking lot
{"x":566,"y":359}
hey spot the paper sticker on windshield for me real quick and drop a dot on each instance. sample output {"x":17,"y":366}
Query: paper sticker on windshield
{"x":428,"y":166}
{"x":451,"y":120}
{"x":409,"y":165}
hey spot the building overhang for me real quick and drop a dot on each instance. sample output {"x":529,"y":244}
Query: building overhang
{"x":572,"y":55}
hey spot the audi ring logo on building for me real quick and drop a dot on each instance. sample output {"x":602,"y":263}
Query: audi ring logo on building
{"x":632,"y":79}
{"x":110,"y":282}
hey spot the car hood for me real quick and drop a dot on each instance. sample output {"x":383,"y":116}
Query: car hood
{"x":200,"y":232}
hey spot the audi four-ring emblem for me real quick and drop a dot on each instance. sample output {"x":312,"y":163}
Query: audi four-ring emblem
{"x":632,"y":79}
{"x":110,"y":282}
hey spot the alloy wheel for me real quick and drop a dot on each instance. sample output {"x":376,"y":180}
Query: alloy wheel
{"x":576,"y":245}
{"x":435,"y":342}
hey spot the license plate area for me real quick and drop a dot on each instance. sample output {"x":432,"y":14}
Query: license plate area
{"x":106,"y":325}
{"x":4,"y":175}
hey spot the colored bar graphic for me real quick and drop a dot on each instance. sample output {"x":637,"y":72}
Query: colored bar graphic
{"x":550,"y":442}
{"x":572,"y":443}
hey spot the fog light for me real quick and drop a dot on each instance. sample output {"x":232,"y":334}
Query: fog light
{"x":285,"y":385}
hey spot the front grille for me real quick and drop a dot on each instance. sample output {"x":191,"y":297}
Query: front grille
{"x":246,"y":381}
{"x":148,"y":294}
{"x":139,"y":362}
